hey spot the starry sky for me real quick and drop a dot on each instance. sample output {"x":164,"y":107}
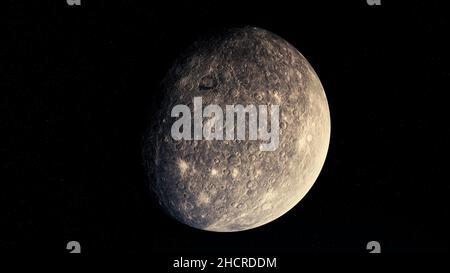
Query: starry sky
{"x":78,"y":85}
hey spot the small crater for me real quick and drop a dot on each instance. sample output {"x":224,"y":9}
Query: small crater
{"x":207,"y":82}
{"x":235,"y":160}
{"x":251,"y":185}
{"x":251,"y":193}
{"x":188,"y":206}
{"x":241,"y":206}
{"x":226,"y":172}
{"x":259,"y":96}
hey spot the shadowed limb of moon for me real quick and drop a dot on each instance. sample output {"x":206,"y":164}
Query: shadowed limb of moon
{"x":231,"y":185}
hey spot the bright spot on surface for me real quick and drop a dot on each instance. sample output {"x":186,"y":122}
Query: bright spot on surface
{"x":277,"y":97}
{"x":234,"y":173}
{"x":203,"y":198}
{"x":182,"y":166}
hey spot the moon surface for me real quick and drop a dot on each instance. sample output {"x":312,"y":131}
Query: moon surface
{"x":231,"y":185}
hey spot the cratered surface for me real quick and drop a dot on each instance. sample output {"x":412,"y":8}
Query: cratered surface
{"x":231,"y":185}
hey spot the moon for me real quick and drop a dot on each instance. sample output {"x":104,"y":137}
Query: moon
{"x":226,"y":185}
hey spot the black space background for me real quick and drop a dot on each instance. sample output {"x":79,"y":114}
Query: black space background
{"x":78,"y":85}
